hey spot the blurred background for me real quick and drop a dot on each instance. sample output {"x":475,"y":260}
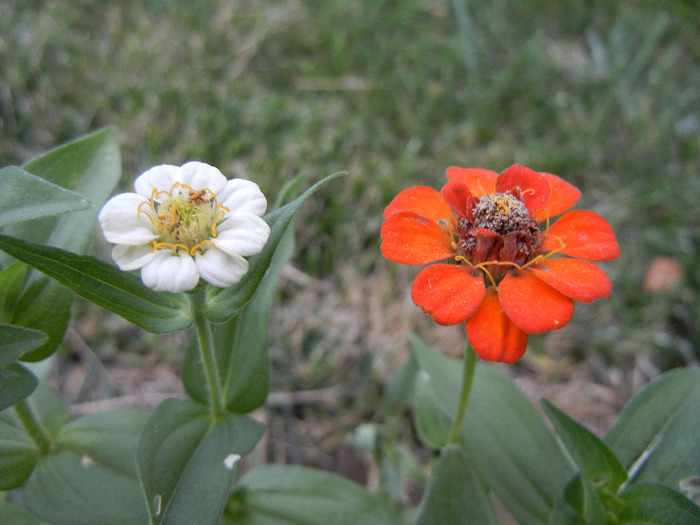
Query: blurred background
{"x":605,"y":94}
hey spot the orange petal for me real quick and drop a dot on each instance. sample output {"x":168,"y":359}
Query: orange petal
{"x":456,"y":194}
{"x":583,"y":234}
{"x":533,"y":305}
{"x":581,"y":280}
{"x":534,"y":186}
{"x":493,"y":335}
{"x":450,"y":293}
{"x":562,"y":196}
{"x":422,"y":200}
{"x":410,"y":238}
{"x":480,"y":181}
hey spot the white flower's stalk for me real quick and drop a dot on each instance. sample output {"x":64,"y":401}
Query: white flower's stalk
{"x":32,"y":426}
{"x":206,"y":352}
{"x":470,"y":358}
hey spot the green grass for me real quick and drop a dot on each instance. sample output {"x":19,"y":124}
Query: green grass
{"x":604,"y":94}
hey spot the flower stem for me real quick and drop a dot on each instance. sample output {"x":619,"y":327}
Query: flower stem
{"x":32,"y":426}
{"x":467,"y":380}
{"x":206,"y":352}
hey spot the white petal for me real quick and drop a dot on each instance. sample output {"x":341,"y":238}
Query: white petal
{"x":167,"y":272}
{"x":242,"y":234}
{"x":160,"y":177}
{"x":242,"y":196}
{"x":132,"y":257}
{"x":121,"y":222}
{"x":198,"y":175}
{"x":221,"y":269}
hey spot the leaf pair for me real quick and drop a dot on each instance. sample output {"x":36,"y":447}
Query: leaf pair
{"x":88,"y":477}
{"x":34,"y":308}
{"x":509,"y":451}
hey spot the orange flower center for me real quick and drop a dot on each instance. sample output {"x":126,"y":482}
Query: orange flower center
{"x":498,"y":229}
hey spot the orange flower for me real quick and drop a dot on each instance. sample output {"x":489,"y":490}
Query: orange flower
{"x":499,"y":260}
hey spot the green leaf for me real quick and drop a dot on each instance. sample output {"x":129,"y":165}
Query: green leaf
{"x":91,"y":166}
{"x":11,"y":282}
{"x":653,"y":504}
{"x":44,"y":306}
{"x":38,"y":198}
{"x":581,"y":496}
{"x":455,"y":493}
{"x":241,"y":346}
{"x":568,"y":509}
{"x":16,"y":383}
{"x":222,"y":304}
{"x":14,"y":515}
{"x":400,"y":389}
{"x":18,"y":452}
{"x":109,"y":438}
{"x":17,"y":340}
{"x":594,"y":458}
{"x":292,"y":495}
{"x":106,"y":285}
{"x":67,"y":488}
{"x":186,"y":459}
{"x":651,"y":436}
{"x":92,"y":478}
{"x":512,"y":451}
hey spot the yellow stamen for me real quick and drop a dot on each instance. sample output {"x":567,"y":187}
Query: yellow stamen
{"x":193,"y":250}
{"x":162,"y":245}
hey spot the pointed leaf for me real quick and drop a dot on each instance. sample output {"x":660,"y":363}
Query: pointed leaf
{"x":593,"y":457}
{"x":96,"y":463}
{"x":68,"y":488}
{"x":39,"y":198}
{"x":652,"y":504}
{"x":44,"y":305}
{"x":291,"y":495}
{"x":16,"y":383}
{"x":581,"y":495}
{"x":186,"y":459}
{"x":503,"y":426}
{"x":18,"y":451}
{"x":106,"y":285}
{"x":11,"y":282}
{"x":90,"y":165}
{"x":16,"y":515}
{"x":241,"y":346}
{"x":224,"y":304}
{"x":455,"y":493}
{"x":651,"y":436}
{"x":17,"y":340}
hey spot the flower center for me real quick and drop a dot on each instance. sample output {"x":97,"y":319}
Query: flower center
{"x":501,"y":213}
{"x":499,"y":229}
{"x":185,"y":220}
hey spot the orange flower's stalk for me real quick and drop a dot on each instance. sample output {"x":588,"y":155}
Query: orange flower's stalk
{"x":470,"y":358}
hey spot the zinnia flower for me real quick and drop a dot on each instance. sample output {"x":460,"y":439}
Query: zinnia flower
{"x":184,"y":223}
{"x":499,"y":261}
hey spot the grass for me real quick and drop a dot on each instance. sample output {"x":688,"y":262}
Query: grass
{"x":604,"y":94}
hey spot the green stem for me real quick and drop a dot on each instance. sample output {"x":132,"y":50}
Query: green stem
{"x":32,"y":426}
{"x":470,"y":359}
{"x":206,"y":352}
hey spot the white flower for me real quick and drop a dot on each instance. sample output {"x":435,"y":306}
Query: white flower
{"x":184,"y":223}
